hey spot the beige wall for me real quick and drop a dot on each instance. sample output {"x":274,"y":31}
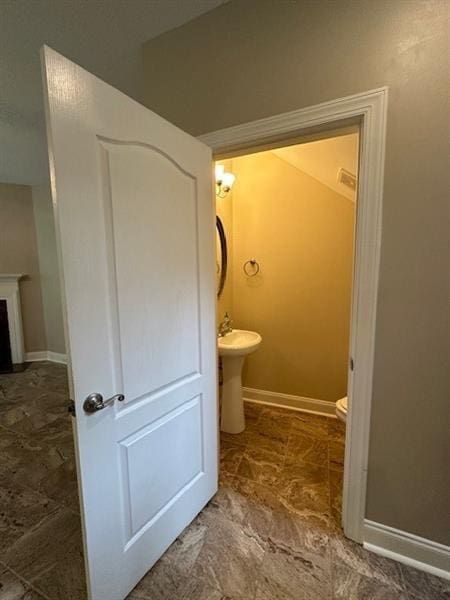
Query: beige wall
{"x":48,"y":264}
{"x":18,"y":254}
{"x":301,"y":233}
{"x":225,"y":211}
{"x":253,"y":58}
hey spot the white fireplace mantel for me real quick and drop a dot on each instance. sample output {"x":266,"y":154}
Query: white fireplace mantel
{"x":9,"y":291}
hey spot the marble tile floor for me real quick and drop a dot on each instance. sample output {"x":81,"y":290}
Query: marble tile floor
{"x":271,"y":532}
{"x":40,"y":531}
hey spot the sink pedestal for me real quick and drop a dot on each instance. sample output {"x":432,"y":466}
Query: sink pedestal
{"x":232,"y":418}
{"x":233,"y":348}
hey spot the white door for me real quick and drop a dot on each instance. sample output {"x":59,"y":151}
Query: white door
{"x":135,"y":220}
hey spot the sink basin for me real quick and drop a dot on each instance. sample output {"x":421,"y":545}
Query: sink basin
{"x":233,"y":348}
{"x":239,"y":342}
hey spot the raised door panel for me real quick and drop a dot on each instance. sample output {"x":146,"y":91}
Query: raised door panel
{"x":158,"y":463}
{"x":151,"y":209}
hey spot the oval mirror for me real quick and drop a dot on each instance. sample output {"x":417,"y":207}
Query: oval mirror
{"x":222,"y":256}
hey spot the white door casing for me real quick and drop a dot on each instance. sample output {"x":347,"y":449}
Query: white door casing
{"x":369,"y":111}
{"x":135,"y":219}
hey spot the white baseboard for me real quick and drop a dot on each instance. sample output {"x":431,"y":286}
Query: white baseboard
{"x":56,"y":357}
{"x":299,"y":403}
{"x":407,"y":548}
{"x":35,"y":356}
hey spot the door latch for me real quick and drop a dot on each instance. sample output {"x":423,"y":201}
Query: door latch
{"x":95,"y":402}
{"x":352,"y":364}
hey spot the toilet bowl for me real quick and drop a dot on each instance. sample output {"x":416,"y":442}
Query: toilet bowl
{"x":341,"y":409}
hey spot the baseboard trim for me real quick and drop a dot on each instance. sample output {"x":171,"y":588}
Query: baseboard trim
{"x":56,"y":357}
{"x":298,"y":403}
{"x":407,"y":548}
{"x":35,"y":356}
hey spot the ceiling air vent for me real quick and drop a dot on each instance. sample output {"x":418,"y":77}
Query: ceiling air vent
{"x":347,"y":178}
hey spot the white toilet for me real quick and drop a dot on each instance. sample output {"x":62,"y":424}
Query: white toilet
{"x":341,"y":409}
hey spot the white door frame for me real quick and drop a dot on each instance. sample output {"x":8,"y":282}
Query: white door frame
{"x":369,"y":110}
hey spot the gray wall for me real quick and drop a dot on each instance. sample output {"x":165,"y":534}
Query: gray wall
{"x":254,"y":58}
{"x":48,"y":264}
{"x":19,"y":254}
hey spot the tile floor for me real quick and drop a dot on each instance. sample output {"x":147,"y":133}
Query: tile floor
{"x":271,"y":533}
{"x":40,"y":531}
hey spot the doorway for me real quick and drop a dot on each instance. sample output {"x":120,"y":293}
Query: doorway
{"x":367,"y":111}
{"x":289,"y":220}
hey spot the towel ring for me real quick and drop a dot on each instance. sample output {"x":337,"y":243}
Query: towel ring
{"x":254,"y":263}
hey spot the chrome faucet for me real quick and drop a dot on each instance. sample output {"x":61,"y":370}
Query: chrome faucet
{"x":225,"y":326}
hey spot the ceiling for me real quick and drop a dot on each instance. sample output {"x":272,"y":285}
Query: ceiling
{"x":324,"y":158}
{"x":104,"y":36}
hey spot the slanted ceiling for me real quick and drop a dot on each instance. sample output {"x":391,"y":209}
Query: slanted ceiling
{"x":324,"y":158}
{"x":103,"y":36}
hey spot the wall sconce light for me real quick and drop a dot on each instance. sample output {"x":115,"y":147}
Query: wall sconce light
{"x":224,"y":181}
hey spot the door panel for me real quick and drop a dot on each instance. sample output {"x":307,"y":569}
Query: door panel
{"x":149,"y":361}
{"x":135,"y":224}
{"x":150,"y":487}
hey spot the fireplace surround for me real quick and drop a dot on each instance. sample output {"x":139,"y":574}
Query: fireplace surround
{"x":10,"y":292}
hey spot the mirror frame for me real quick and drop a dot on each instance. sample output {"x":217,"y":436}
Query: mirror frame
{"x":223,"y":255}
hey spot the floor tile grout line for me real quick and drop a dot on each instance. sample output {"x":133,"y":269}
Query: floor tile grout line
{"x":59,"y":504}
{"x":23,"y":435}
{"x":32,"y":489}
{"x":30,"y":585}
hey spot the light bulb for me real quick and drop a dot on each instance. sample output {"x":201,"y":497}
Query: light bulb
{"x":228,"y":180}
{"x":220,"y":169}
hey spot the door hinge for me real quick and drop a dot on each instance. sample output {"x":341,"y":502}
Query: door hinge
{"x":352,"y":364}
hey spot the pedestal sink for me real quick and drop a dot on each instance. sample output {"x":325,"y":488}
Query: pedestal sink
{"x":233,"y":348}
